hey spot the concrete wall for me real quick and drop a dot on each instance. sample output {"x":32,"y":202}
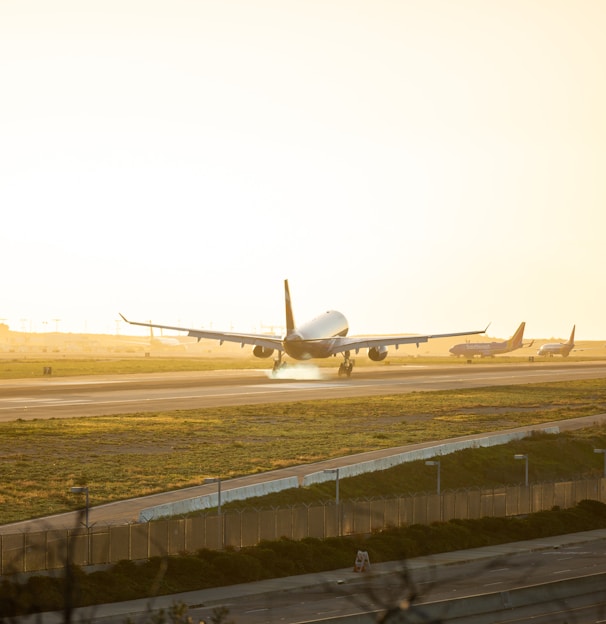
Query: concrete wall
{"x":206,"y":502}
{"x":420,"y":454}
{"x":212,"y":500}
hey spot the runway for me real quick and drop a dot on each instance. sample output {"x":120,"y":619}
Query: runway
{"x":105,"y":395}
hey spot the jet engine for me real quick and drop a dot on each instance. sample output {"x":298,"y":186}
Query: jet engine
{"x":376,"y":354}
{"x":262,"y":352}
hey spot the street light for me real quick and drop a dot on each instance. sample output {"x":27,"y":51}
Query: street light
{"x":217,"y":480}
{"x":525,"y":457}
{"x":335,"y":471}
{"x":82,"y":490}
{"x":603,"y":451}
{"x":435,"y":463}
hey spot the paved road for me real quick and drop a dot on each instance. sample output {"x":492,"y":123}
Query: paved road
{"x":441,"y":577}
{"x":434,"y":578}
{"x":96,"y":396}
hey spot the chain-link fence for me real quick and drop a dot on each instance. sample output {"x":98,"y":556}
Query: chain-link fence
{"x":48,"y":550}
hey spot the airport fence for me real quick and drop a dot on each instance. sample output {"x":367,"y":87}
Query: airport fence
{"x":99,"y":545}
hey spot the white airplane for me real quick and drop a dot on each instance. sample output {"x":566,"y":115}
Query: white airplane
{"x":558,"y":348}
{"x":322,"y":337}
{"x":490,"y":349}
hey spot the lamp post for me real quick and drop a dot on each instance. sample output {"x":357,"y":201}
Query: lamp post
{"x":603,"y":451}
{"x":524,"y":457}
{"x":82,"y":490}
{"x":217,"y":480}
{"x":335,"y":471}
{"x":435,"y":463}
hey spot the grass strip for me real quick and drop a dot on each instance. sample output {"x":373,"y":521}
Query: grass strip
{"x":32,"y":368}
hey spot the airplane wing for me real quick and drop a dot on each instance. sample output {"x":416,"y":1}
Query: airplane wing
{"x":355,"y":343}
{"x":262,"y":340}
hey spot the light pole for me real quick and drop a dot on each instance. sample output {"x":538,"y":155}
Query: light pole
{"x":82,"y":490}
{"x":524,"y":457}
{"x":603,"y":451}
{"x":335,"y":471}
{"x":217,"y":480}
{"x":435,"y":463}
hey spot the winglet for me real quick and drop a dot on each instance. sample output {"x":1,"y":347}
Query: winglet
{"x":123,"y":317}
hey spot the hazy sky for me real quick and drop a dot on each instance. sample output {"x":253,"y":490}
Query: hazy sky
{"x":421,"y":166}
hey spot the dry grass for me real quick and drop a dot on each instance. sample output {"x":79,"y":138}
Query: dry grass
{"x":31,"y":368}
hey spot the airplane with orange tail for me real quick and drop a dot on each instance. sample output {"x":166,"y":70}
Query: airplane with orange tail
{"x":490,"y":349}
{"x":558,"y":348}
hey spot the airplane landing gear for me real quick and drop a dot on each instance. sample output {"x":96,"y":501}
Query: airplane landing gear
{"x":346,"y":365}
{"x":278,"y":365}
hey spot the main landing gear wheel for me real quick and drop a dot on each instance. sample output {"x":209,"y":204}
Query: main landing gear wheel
{"x":278,"y":365}
{"x":346,"y":366}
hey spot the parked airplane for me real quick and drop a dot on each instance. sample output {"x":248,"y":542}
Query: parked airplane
{"x":490,"y":349}
{"x":321,"y":337}
{"x":558,"y":348}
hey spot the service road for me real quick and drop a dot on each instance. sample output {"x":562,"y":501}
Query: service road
{"x":443,"y":577}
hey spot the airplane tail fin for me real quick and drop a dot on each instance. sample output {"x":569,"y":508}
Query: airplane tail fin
{"x":517,"y":340}
{"x":571,"y":339}
{"x":290,"y":320}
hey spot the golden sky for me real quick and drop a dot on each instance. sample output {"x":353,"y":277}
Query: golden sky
{"x":421,"y":166}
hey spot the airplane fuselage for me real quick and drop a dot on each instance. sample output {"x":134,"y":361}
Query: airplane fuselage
{"x":483,"y":349}
{"x":558,"y":348}
{"x":490,"y":349}
{"x":312,"y":340}
{"x":555,"y":349}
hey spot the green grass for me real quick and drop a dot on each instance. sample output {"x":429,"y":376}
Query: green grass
{"x":137,"y":454}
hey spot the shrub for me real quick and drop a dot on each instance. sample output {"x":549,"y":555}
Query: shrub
{"x":238,"y":568}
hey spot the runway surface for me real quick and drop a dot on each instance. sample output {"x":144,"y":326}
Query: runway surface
{"x":120,"y":394}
